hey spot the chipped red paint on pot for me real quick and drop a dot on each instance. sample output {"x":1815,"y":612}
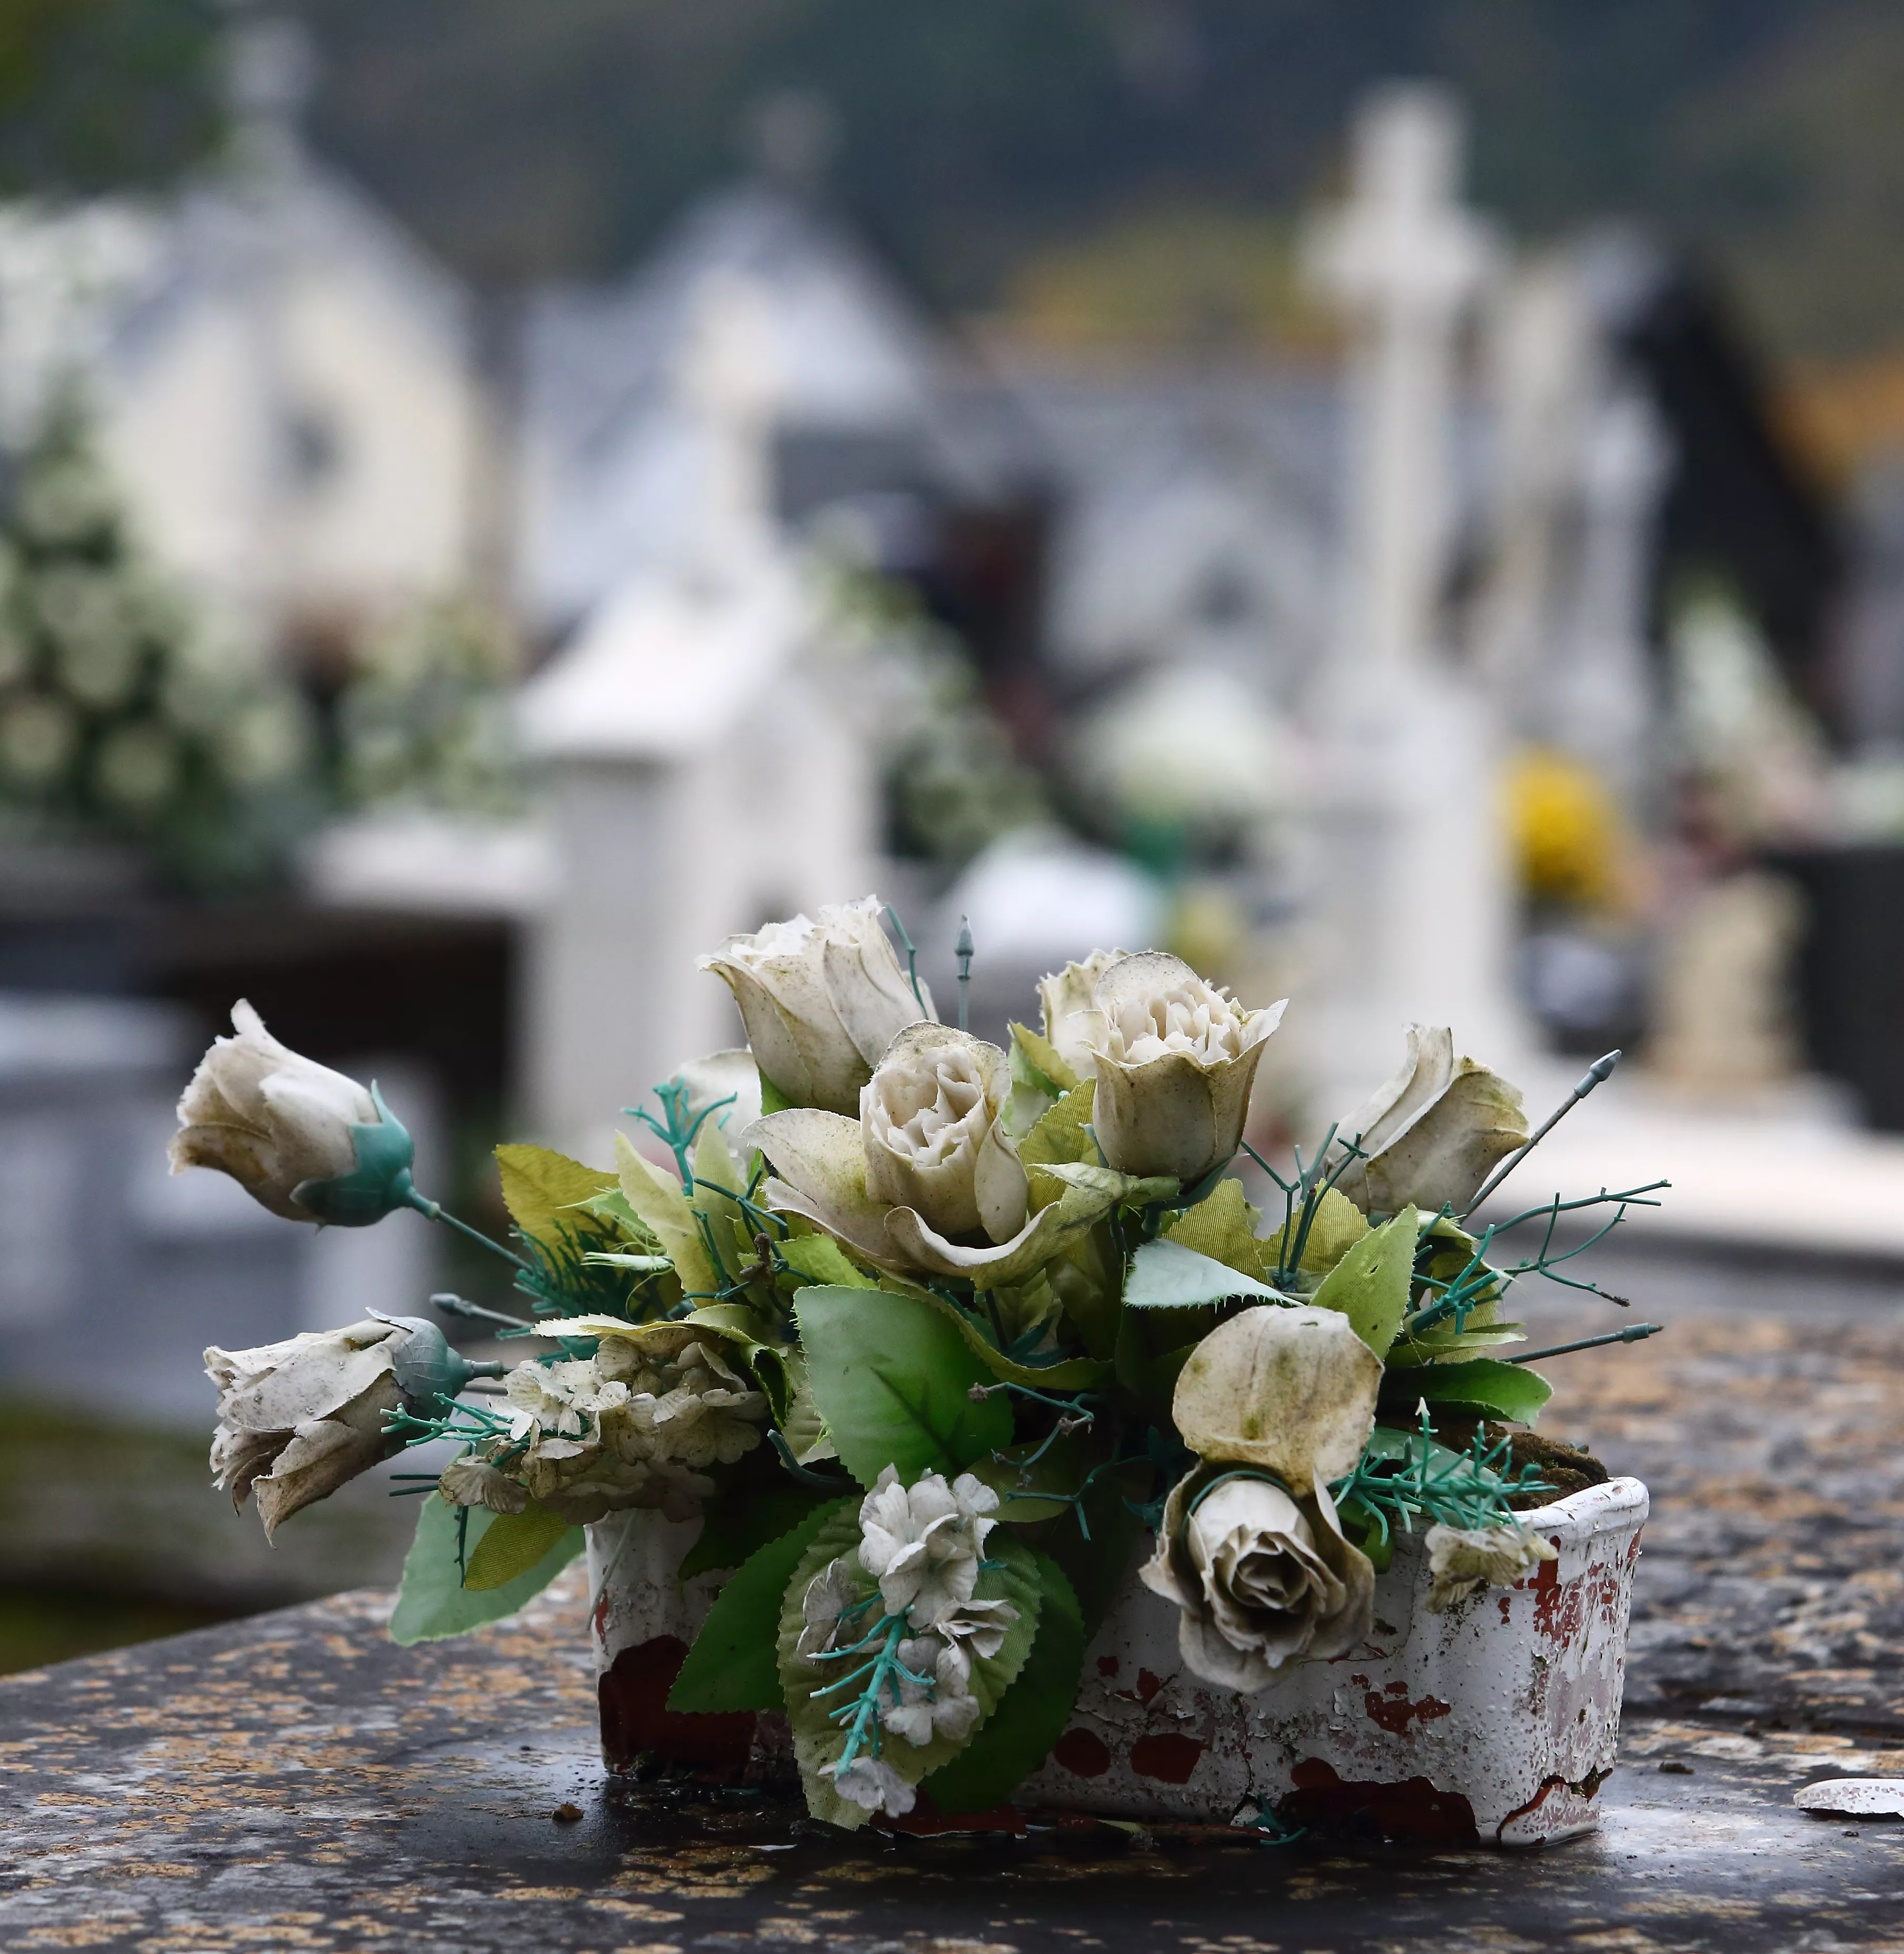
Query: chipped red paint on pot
{"x":1393,"y":1711}
{"x":1167,"y":1757}
{"x":1505,"y":1709}
{"x":1082,"y":1754}
{"x":1440,"y":1727}
{"x":1414,"y":1810}
{"x":637,"y":1723}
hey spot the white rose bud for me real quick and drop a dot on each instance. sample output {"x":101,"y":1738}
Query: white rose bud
{"x":821,"y":999}
{"x":297,"y":1419}
{"x":1175,"y":1058}
{"x":285,"y":1129}
{"x":1432,"y":1133}
{"x":1260,"y":1578}
{"x":1065,"y":1007}
{"x":1461,"y":1560}
{"x":929,"y":1119}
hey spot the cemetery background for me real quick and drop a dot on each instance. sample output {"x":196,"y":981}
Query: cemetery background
{"x":443,"y":673}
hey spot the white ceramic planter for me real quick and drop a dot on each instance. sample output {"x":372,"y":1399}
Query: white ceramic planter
{"x":1494,"y":1724}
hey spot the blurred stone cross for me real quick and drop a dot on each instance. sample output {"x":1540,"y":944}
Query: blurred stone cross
{"x":1412,"y":902}
{"x":1406,"y":264}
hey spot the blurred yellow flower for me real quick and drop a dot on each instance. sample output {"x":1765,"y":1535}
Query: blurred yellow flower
{"x":1569,"y":840}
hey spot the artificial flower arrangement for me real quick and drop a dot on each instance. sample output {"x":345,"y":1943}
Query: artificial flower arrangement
{"x":928,"y":1335}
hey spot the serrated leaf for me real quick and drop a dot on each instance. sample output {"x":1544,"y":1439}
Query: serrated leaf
{"x":1371,"y":1284}
{"x":1485,"y":1386}
{"x":1017,"y":1737}
{"x":1059,"y":1139}
{"x":818,"y":1740}
{"x":545,"y":1191}
{"x":1054,"y":1076}
{"x":657,"y":1200}
{"x":734,"y":1662}
{"x":433,"y":1603}
{"x":511,"y":1544}
{"x":821,"y":1259}
{"x":1165,"y":1274}
{"x":891,"y":1377}
{"x":802,"y":1427}
{"x":1222,"y":1226}
{"x":612,"y":1208}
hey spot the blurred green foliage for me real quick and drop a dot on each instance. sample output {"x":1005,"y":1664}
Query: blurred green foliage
{"x":97,"y":94}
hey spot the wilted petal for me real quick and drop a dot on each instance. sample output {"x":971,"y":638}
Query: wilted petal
{"x":1291,"y":1391}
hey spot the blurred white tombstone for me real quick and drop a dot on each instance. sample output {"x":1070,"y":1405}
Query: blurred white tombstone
{"x":1723,"y":1021}
{"x":705,"y":778}
{"x":1414,"y":898}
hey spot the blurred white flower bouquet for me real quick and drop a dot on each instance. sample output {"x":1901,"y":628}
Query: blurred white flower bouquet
{"x":927,"y":1333}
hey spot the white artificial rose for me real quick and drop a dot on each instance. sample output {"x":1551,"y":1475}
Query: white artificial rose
{"x":1175,"y":1058}
{"x":923,"y":1544}
{"x":1461,"y":1559}
{"x":1260,"y":1578}
{"x":297,"y":1419}
{"x":474,"y":1482}
{"x":821,"y":999}
{"x":272,"y":1119}
{"x":1067,"y":1010}
{"x":1432,"y":1133}
{"x":930,"y":1120}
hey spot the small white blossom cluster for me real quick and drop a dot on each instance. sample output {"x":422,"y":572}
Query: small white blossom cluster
{"x":634,"y":1425}
{"x":922,"y":1544}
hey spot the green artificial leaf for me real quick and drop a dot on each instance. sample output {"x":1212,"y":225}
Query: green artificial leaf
{"x":1486,"y":1387}
{"x":772,"y":1099}
{"x":1222,"y":1226}
{"x":546,"y":1191}
{"x":511,"y":1544}
{"x":1335,"y":1226}
{"x":1371,"y":1284}
{"x":821,"y":1259}
{"x":1017,"y":1737}
{"x":1090,"y":1190}
{"x":1445,"y":1344}
{"x":733,"y":1664}
{"x":1038,"y":1054}
{"x":891,"y":1377}
{"x":817,"y":1740}
{"x":432,"y":1602}
{"x":1069,"y":1373}
{"x":715,"y":1177}
{"x":800,"y":1424}
{"x":1058,"y":1139}
{"x":735,"y":1524}
{"x":611,"y":1207}
{"x":656,"y":1197}
{"x":1165,"y":1274}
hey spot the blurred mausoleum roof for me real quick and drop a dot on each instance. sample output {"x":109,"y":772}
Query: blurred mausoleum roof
{"x":285,"y":381}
